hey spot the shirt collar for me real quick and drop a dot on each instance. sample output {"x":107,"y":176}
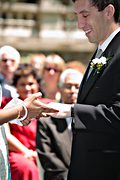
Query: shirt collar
{"x":108,"y":40}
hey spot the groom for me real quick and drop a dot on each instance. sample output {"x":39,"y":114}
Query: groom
{"x":96,"y":116}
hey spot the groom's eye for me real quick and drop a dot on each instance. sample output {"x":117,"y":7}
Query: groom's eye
{"x":85,"y":15}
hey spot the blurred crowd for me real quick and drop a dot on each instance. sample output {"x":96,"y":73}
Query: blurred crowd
{"x":48,"y":140}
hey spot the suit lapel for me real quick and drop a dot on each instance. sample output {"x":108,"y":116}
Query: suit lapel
{"x":85,"y":78}
{"x":88,"y":85}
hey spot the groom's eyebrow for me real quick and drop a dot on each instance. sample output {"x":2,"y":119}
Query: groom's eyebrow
{"x":81,"y":12}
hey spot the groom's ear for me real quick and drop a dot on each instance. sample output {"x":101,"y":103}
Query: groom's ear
{"x":109,"y":11}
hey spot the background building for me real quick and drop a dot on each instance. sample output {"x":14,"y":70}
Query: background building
{"x":43,"y":26}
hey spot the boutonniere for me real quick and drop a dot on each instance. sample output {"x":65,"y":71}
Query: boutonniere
{"x":99,"y":63}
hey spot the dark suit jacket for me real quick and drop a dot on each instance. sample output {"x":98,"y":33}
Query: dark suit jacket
{"x":54,"y":147}
{"x":96,"y":128}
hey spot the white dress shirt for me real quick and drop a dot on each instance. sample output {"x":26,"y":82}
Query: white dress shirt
{"x":108,"y":40}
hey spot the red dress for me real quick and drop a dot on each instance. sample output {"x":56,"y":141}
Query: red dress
{"x":21,"y":167}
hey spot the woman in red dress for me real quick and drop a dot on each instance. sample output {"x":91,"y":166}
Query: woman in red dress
{"x":22,"y":139}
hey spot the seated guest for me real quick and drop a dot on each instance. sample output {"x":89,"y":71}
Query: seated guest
{"x":54,"y":136}
{"x":21,"y":113}
{"x":21,"y":139}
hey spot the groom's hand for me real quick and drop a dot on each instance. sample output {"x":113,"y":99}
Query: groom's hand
{"x":64,"y":110}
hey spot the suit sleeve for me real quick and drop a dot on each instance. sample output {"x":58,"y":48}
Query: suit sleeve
{"x":100,"y":117}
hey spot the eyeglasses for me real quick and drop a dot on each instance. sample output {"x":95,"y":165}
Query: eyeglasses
{"x":5,"y":60}
{"x":50,"y":68}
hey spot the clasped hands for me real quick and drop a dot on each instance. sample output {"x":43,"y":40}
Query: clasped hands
{"x":37,"y":109}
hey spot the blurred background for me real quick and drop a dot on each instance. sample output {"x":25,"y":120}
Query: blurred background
{"x":43,"y":26}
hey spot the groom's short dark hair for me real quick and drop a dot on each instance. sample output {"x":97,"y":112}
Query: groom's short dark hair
{"x":102,"y":4}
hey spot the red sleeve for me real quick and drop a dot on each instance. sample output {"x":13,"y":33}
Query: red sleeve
{"x":5,"y":100}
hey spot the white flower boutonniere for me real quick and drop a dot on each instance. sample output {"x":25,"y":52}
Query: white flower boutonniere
{"x":98,"y":63}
